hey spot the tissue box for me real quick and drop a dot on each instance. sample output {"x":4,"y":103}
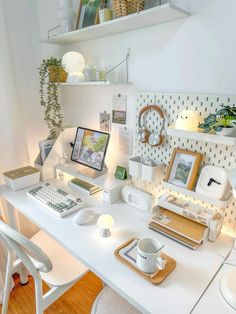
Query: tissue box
{"x":21,"y":178}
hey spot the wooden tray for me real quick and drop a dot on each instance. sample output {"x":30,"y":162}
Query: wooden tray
{"x":154,"y":279}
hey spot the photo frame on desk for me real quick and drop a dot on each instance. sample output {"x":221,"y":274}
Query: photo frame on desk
{"x":183,"y":168}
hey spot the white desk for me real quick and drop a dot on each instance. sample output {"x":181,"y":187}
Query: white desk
{"x":212,"y":301}
{"x":177,"y":294}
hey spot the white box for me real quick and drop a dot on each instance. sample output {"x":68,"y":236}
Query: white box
{"x":149,"y":172}
{"x":21,"y":178}
{"x":135,"y":167}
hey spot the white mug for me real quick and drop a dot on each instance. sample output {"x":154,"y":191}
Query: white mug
{"x":148,"y":257}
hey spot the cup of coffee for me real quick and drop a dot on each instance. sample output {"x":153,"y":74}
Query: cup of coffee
{"x":148,"y":255}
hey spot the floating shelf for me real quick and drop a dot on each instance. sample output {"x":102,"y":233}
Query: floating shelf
{"x":219,"y":203}
{"x":200,"y":136}
{"x":101,"y":83}
{"x":157,"y":15}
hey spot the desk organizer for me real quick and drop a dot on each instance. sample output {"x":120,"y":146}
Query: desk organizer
{"x":155,"y":278}
{"x":216,"y":153}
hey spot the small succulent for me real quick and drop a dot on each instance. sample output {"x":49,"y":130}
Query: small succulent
{"x":223,"y":118}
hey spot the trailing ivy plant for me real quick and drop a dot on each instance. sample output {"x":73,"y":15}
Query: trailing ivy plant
{"x":49,"y":95}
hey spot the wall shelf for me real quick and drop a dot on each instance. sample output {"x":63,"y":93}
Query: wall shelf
{"x":219,"y":203}
{"x":157,"y":15}
{"x":101,"y":83}
{"x":200,"y":136}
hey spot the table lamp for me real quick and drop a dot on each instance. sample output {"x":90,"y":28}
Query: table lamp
{"x":187,"y":120}
{"x":105,"y":222}
{"x":73,"y":63}
{"x":228,"y":280}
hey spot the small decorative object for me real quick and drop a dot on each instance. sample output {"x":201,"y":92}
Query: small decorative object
{"x":213,"y":182}
{"x":119,"y":109}
{"x":126,"y":7}
{"x":66,"y":15}
{"x":105,"y":14}
{"x":105,"y":222}
{"x":89,"y":13}
{"x":222,"y":122}
{"x":187,"y":120}
{"x":73,"y":63}
{"x":183,"y":168}
{"x":121,"y":173}
{"x":154,"y":138}
{"x":105,"y":121}
{"x":50,"y":73}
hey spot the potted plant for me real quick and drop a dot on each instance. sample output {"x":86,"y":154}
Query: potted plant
{"x":50,"y":73}
{"x":222,"y":122}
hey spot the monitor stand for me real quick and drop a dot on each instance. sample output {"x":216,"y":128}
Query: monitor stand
{"x":92,"y":173}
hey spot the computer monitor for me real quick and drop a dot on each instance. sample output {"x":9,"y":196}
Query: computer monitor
{"x":90,"y":148}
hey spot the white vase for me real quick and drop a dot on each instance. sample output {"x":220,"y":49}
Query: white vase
{"x":226,"y":131}
{"x":66,"y":15}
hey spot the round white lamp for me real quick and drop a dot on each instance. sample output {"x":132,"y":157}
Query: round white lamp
{"x":105,"y":222}
{"x":187,"y":120}
{"x":228,"y":280}
{"x":73,"y":63}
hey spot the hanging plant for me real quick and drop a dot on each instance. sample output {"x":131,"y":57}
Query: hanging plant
{"x":50,"y":73}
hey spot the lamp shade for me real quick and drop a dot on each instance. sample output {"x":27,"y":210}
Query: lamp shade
{"x":105,"y":221}
{"x":73,"y":63}
{"x":187,"y":120}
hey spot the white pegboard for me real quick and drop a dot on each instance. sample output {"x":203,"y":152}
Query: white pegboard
{"x":214,"y":154}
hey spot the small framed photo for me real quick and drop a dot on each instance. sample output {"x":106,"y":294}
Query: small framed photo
{"x":183,"y":168}
{"x":87,"y":13}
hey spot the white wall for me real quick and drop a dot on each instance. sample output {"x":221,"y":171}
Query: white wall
{"x":190,"y":55}
{"x":193,"y":55}
{"x":22,"y":26}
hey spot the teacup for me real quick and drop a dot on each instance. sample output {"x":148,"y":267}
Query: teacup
{"x":148,"y":255}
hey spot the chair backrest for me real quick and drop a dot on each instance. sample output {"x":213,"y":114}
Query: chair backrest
{"x":24,"y":248}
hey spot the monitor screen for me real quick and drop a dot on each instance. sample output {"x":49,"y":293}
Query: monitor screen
{"x":90,"y":148}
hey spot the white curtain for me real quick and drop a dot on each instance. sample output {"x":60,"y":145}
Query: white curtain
{"x":13,"y":152}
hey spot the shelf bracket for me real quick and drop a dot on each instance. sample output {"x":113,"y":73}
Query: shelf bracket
{"x":126,"y":61}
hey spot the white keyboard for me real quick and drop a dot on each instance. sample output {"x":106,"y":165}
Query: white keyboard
{"x":57,"y":201}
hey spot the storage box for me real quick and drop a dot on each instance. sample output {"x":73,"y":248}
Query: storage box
{"x":21,"y":178}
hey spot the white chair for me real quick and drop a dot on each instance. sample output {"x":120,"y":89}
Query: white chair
{"x":108,"y":301}
{"x":45,"y":259}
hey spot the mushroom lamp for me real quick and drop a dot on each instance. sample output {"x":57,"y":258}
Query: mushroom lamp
{"x":73,"y":63}
{"x":105,"y":222}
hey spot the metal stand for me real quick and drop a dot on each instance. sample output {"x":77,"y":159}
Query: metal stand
{"x":92,"y":173}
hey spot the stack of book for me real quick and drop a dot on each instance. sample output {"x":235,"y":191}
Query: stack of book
{"x":85,"y":186}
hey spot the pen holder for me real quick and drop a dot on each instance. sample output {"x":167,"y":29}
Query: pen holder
{"x":149,"y":172}
{"x":135,"y":167}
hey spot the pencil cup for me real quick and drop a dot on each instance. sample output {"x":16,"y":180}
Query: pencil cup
{"x":135,"y":167}
{"x":148,"y":172}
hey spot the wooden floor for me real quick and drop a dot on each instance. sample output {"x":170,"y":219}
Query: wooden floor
{"x":79,"y":299}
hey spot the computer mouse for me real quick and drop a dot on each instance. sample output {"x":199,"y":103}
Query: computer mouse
{"x":84,"y":216}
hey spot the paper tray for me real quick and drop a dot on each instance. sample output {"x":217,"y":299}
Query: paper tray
{"x":155,"y":278}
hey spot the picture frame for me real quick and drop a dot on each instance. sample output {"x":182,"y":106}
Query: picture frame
{"x":183,"y":168}
{"x":87,"y":13}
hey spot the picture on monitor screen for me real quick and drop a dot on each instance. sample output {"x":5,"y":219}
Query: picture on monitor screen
{"x":90,"y":148}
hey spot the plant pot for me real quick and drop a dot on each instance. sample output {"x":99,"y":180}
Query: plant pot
{"x":226,"y":131}
{"x":57,"y":74}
